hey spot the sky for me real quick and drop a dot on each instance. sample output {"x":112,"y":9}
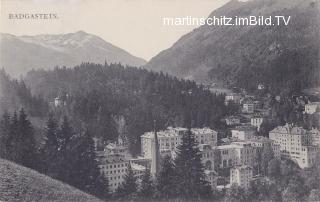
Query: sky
{"x":133,"y":25}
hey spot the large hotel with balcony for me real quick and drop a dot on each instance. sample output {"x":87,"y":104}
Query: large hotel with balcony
{"x":296,"y":143}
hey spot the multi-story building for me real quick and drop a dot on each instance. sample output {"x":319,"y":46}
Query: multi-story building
{"x":295,"y":143}
{"x":207,"y":156}
{"x":138,"y":170}
{"x":248,"y":107}
{"x":241,"y":176}
{"x":169,"y":139}
{"x":315,"y":136}
{"x":232,"y":120}
{"x":312,"y":107}
{"x":233,"y":97}
{"x":261,"y":142}
{"x":237,"y":153}
{"x":256,"y":121}
{"x":245,"y":153}
{"x":244,"y":132}
{"x":116,"y":149}
{"x":114,"y":168}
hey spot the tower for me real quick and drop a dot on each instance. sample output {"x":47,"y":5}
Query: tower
{"x":155,"y":154}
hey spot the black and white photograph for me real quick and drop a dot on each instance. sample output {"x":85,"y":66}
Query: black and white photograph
{"x":159,"y":100}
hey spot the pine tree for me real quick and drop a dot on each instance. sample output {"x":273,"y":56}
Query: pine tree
{"x":188,"y":163}
{"x":4,"y":135}
{"x":14,"y":153}
{"x":26,"y":142}
{"x":147,"y":188}
{"x":85,"y":174}
{"x":129,"y":186}
{"x":266,"y":156}
{"x":65,"y":155}
{"x":166,"y":180}
{"x":51,"y":148}
{"x":236,"y":194}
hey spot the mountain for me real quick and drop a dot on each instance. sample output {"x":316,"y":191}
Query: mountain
{"x":18,"y":183}
{"x":19,"y":54}
{"x":243,"y":56}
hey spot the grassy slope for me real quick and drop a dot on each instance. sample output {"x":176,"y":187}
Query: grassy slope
{"x":18,"y":183}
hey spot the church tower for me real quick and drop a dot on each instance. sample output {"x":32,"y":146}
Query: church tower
{"x":155,"y":154}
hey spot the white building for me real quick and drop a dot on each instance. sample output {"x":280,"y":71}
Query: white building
{"x":261,"y":86}
{"x":114,"y":169}
{"x":241,"y":176}
{"x":237,"y":153}
{"x":58,"y":102}
{"x":248,"y":107}
{"x":312,"y":107}
{"x":257,"y":121}
{"x":169,"y":139}
{"x":232,"y":120}
{"x":244,"y":132}
{"x":116,"y":149}
{"x":295,"y":143}
{"x":138,"y":170}
{"x":233,"y":97}
{"x":315,"y":137}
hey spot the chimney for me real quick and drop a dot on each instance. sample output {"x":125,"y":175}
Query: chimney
{"x":155,"y":154}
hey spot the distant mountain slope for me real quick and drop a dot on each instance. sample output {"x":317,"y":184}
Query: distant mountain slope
{"x":20,"y":184}
{"x":19,"y":54}
{"x":278,"y":56}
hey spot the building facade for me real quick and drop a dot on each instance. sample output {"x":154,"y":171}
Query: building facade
{"x":169,"y":139}
{"x":232,"y":120}
{"x":312,"y":107}
{"x":114,"y":168}
{"x":256,"y":121}
{"x":295,"y":143}
{"x":241,"y":176}
{"x":244,"y":132}
{"x":237,"y":153}
{"x":233,"y":97}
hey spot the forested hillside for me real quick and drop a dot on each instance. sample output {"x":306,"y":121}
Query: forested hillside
{"x":112,"y":100}
{"x":15,"y":94}
{"x":284,"y":58}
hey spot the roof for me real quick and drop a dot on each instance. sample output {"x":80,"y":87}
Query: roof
{"x":135,"y":166}
{"x":242,"y":167}
{"x":176,"y":132}
{"x":229,"y":146}
{"x":289,"y":129}
{"x":245,"y":127}
{"x":232,"y":117}
{"x":313,"y":104}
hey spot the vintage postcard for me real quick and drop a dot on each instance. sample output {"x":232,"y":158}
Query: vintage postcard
{"x":160,"y":100}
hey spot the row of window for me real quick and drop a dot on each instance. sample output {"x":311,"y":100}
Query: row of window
{"x":115,"y":166}
{"x":115,"y":171}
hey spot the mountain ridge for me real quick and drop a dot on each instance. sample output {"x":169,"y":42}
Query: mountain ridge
{"x":229,"y":54}
{"x":20,"y":54}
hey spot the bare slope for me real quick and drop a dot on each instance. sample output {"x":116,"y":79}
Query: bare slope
{"x":21,"y":184}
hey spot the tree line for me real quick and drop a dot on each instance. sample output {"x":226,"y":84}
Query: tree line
{"x":70,"y":157}
{"x":62,"y":154}
{"x":97,"y":95}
